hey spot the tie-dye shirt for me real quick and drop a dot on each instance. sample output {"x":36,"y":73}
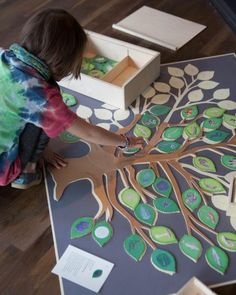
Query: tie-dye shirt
{"x":27,"y":95}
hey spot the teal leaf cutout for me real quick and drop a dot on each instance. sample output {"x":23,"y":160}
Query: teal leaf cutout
{"x":102,"y":232}
{"x":211,"y":185}
{"x":142,"y":131}
{"x":69,"y":99}
{"x":159,"y":109}
{"x":81,"y":227}
{"x":192,"y":131}
{"x":129,"y":198}
{"x":162,"y":235}
{"x":208,"y":216}
{"x":191,"y":247}
{"x":166,"y":205}
{"x":172,"y":133}
{"x":228,"y":161}
{"x":217,"y":259}
{"x":192,"y":199}
{"x":168,"y":146}
{"x":131,"y":151}
{"x":149,"y":121}
{"x":211,"y":124}
{"x":146,"y":214}
{"x":213,"y":112}
{"x":189,"y":113}
{"x":204,"y":164}
{"x":97,"y":273}
{"x":135,"y":247}
{"x":227,"y":241}
{"x":164,"y":261}
{"x":146,"y":177}
{"x":229,"y":121}
{"x":68,"y":137}
{"x":162,"y":186}
{"x":216,"y":136}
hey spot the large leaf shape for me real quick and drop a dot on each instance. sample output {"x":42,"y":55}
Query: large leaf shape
{"x":68,"y":137}
{"x":102,"y":232}
{"x":192,"y":199}
{"x":195,"y":95}
{"x":162,"y":235}
{"x":135,"y":247}
{"x":166,"y":205}
{"x":227,"y":105}
{"x":146,"y":214}
{"x":103,"y":114}
{"x":192,"y":131}
{"x":158,"y":110}
{"x":205,"y":75}
{"x":216,"y":136}
{"x":146,"y":177}
{"x":84,"y":112}
{"x":142,"y":131}
{"x":160,"y":98}
{"x":229,"y":121}
{"x":120,"y":115}
{"x":211,"y":185}
{"x":168,"y":146}
{"x":191,"y":247}
{"x":149,"y":121}
{"x":129,"y":198}
{"x":69,"y":99}
{"x":204,"y":164}
{"x":164,"y":261}
{"x":208,"y":216}
{"x":217,"y":259}
{"x":172,"y":133}
{"x":221,"y":93}
{"x":228,"y":161}
{"x":162,"y":186}
{"x":207,"y":85}
{"x":189,"y":113}
{"x":227,"y":241}
{"x":81,"y":227}
{"x":213,"y":112}
{"x":211,"y":124}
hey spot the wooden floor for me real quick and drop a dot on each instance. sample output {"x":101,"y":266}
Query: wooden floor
{"x":26,"y":245}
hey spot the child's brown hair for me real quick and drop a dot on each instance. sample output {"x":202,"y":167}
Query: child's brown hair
{"x":55,"y":37}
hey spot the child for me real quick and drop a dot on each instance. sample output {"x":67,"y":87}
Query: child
{"x":31,"y":106}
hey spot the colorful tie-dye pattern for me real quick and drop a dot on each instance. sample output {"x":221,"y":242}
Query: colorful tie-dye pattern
{"x":27,"y":95}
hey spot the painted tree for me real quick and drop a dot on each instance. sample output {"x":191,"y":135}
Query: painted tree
{"x":178,"y":136}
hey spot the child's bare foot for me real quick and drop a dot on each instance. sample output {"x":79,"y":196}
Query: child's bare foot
{"x":54,"y":159}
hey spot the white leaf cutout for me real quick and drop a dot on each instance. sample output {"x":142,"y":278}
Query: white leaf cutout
{"x":104,"y":125}
{"x":220,"y":202}
{"x":160,"y":98}
{"x":227,"y":105}
{"x":103,"y":114}
{"x":177,"y":72}
{"x":120,"y":115}
{"x":205,"y":75}
{"x":191,"y":70}
{"x":84,"y":112}
{"x":195,"y":95}
{"x":109,"y":107}
{"x":230,"y":176}
{"x":207,"y":85}
{"x":149,"y":92}
{"x":221,"y":93}
{"x":176,"y":82}
{"x":162,"y":87}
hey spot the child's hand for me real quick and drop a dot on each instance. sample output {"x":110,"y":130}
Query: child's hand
{"x":136,"y":142}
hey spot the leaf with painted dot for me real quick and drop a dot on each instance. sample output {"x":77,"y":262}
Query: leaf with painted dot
{"x":204,"y":164}
{"x":217,"y":259}
{"x":69,"y":99}
{"x":168,"y":147}
{"x":135,"y":247}
{"x":192,"y":199}
{"x":142,"y":131}
{"x":190,"y":247}
{"x":149,"y":121}
{"x":158,"y":110}
{"x":211,"y":185}
{"x":189,"y":113}
{"x":166,"y":205}
{"x":162,"y":186}
{"x":192,"y":131}
{"x":102,"y":232}
{"x":228,"y":161}
{"x":208,"y":216}
{"x":81,"y":227}
{"x":229,"y":121}
{"x":211,"y":124}
{"x":129,"y":198}
{"x":146,"y":177}
{"x":162,"y":235}
{"x":213,"y":112}
{"x":216,"y":136}
{"x":227,"y":241}
{"x":172,"y":133}
{"x":146,"y":214}
{"x":163,"y":261}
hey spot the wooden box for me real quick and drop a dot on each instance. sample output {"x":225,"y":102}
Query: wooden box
{"x":136,"y":69}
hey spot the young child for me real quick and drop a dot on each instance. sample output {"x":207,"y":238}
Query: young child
{"x":31,"y":106}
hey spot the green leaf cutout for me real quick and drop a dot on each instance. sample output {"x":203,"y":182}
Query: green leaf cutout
{"x":162,"y":235}
{"x":192,"y":199}
{"x":68,"y":137}
{"x":168,"y":146}
{"x":165,"y":205}
{"x":81,"y":227}
{"x":135,"y":247}
{"x":149,"y":121}
{"x":227,"y":241}
{"x":189,"y":113}
{"x":208,"y":216}
{"x":204,"y":164}
{"x":146,"y":177}
{"x":229,"y":161}
{"x":131,"y":151}
{"x":159,"y":109}
{"x":164,"y":261}
{"x":146,"y":214}
{"x":97,"y":273}
{"x":172,"y":133}
{"x":162,"y":186}
{"x":142,"y":131}
{"x":217,"y":259}
{"x":216,"y":136}
{"x":229,"y":121}
{"x":129,"y":198}
{"x":213,"y":112}
{"x":211,"y":124}
{"x":191,"y":247}
{"x":69,"y":99}
{"x":192,"y":131}
{"x":211,"y":185}
{"x":102,"y":232}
